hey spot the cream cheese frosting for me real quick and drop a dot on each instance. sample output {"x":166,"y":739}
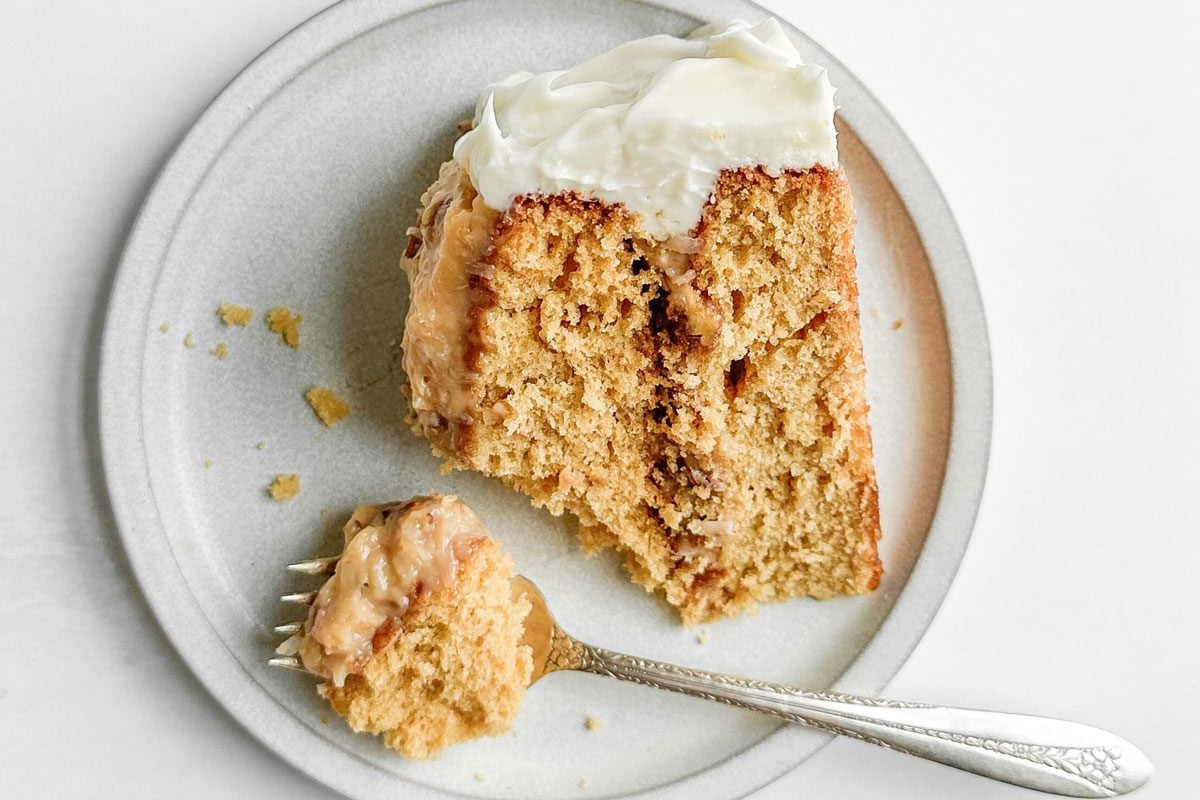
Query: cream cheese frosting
{"x":653,"y":122}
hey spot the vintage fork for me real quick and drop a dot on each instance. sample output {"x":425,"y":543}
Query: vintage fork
{"x":1040,"y":753}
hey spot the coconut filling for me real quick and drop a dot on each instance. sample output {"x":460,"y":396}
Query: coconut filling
{"x":446,"y":247}
{"x":394,"y":554}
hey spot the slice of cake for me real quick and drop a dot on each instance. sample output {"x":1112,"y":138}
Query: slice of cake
{"x":634,"y":299}
{"x":416,"y":633}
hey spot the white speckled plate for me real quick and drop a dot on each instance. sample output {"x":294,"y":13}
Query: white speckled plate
{"x":295,"y":188}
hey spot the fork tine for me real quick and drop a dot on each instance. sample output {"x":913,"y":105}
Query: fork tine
{"x":316,"y":566}
{"x":303,"y":598}
{"x":287,"y":662}
{"x":289,"y":628}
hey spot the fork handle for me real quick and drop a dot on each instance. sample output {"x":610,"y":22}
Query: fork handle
{"x":1040,"y":753}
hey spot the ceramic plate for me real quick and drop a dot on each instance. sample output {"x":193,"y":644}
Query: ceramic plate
{"x":295,"y":189}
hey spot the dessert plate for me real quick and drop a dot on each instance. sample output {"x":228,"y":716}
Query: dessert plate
{"x":295,"y":189}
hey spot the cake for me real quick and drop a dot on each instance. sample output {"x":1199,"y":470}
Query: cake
{"x":416,"y":634}
{"x":633,"y":299}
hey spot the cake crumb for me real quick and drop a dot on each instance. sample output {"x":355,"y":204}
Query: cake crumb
{"x":233,"y":314}
{"x":324,"y":719}
{"x":716,"y":136}
{"x":898,"y":324}
{"x":702,"y":637}
{"x":285,"y":322}
{"x":189,"y":341}
{"x":220,"y":351}
{"x":582,"y":785}
{"x":284,"y":487}
{"x":593,"y":723}
{"x":208,"y":462}
{"x":478,"y":776}
{"x":261,"y":445}
{"x":166,"y":326}
{"x":328,"y":407}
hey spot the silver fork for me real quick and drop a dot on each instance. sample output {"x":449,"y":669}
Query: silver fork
{"x":1040,"y":753}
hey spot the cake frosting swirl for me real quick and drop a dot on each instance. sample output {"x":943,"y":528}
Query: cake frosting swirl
{"x":652,"y":123}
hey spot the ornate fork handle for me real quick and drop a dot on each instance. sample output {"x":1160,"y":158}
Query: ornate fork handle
{"x":1040,"y":753}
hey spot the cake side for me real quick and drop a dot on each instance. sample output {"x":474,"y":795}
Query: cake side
{"x":780,"y":398}
{"x":697,"y":402}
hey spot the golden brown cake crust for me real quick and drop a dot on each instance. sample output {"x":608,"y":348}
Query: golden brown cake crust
{"x":698,"y":403}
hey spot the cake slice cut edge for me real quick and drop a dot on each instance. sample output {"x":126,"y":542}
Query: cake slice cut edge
{"x":697,"y":402}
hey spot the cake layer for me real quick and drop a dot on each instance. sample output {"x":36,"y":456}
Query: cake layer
{"x":697,"y":402}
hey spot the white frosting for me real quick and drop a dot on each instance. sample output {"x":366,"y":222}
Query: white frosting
{"x":651,"y":123}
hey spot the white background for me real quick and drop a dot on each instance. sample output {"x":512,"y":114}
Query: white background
{"x":1067,"y":139}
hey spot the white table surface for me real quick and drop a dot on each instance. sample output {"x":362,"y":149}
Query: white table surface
{"x":1067,"y":139}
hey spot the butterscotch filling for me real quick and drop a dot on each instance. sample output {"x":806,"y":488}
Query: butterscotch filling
{"x":393,"y":555}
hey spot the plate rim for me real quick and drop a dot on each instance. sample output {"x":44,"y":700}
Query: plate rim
{"x":132,"y":495}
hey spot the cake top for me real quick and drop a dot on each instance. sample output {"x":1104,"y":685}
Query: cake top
{"x":653,"y":122}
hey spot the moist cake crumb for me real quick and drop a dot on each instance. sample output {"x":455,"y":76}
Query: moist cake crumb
{"x":285,"y":322}
{"x":233,"y":314}
{"x":166,"y":326}
{"x":328,"y":407}
{"x":593,"y":723}
{"x":898,"y":324}
{"x":447,"y":662}
{"x":284,"y":487}
{"x":582,"y":785}
{"x":698,"y":403}
{"x":220,"y":351}
{"x":261,"y":445}
{"x":189,"y":341}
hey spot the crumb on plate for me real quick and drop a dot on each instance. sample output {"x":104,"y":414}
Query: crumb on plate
{"x":208,"y":462}
{"x":285,"y":322}
{"x":261,"y":444}
{"x":328,"y":407}
{"x":702,"y":637}
{"x":284,"y":487}
{"x":220,"y":351}
{"x":593,"y":723}
{"x":189,"y":341}
{"x":166,"y":326}
{"x":233,"y":314}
